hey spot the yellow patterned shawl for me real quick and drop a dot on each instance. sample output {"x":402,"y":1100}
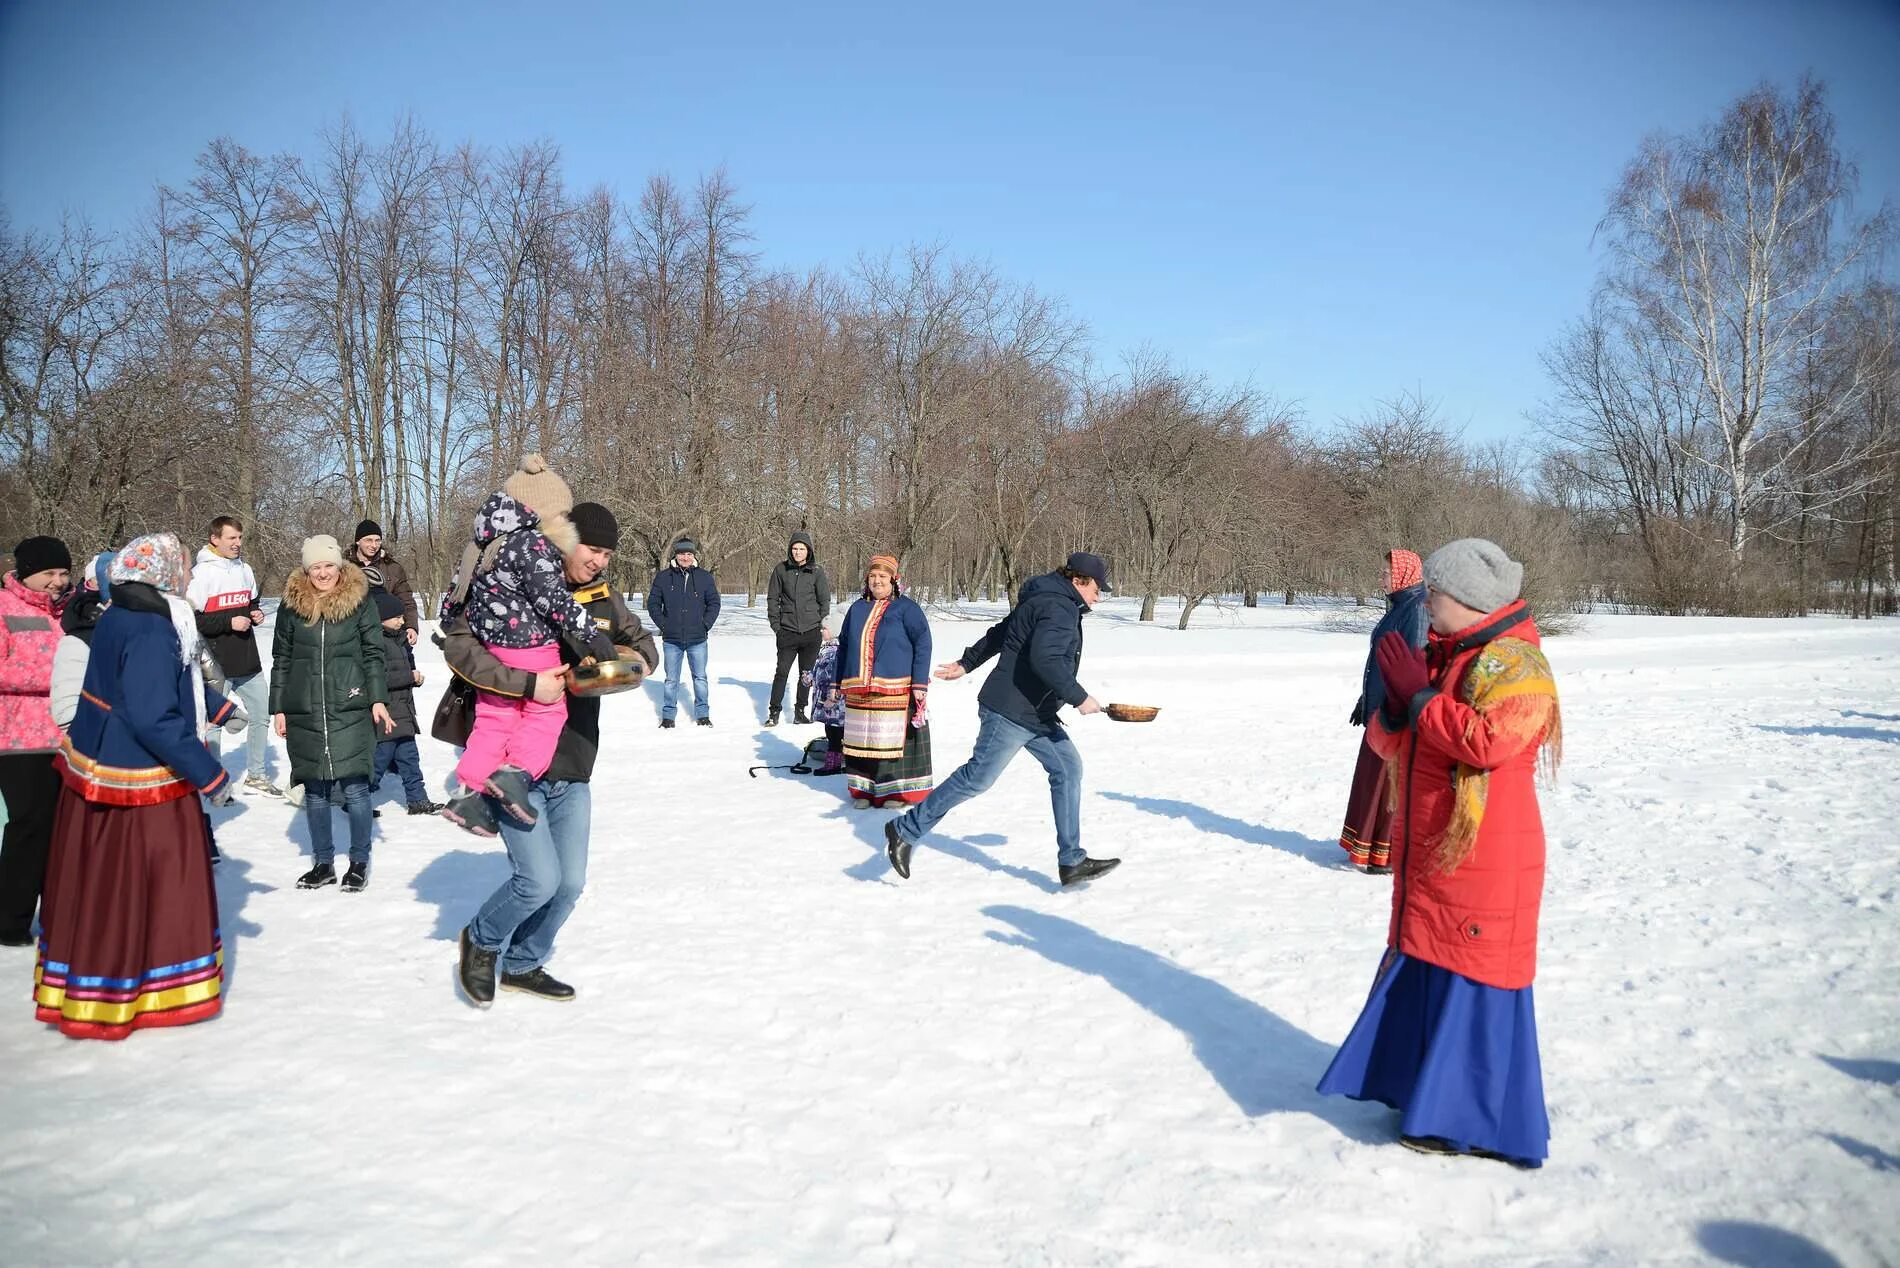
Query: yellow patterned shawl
{"x":1510,"y":688}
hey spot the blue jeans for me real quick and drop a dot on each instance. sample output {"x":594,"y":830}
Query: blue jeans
{"x":998,"y":740}
{"x":695,"y":654}
{"x":407,"y":759}
{"x":550,"y":862}
{"x":318,"y":796}
{"x":253,"y":693}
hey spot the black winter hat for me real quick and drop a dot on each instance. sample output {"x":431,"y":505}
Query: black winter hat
{"x":387,"y":604}
{"x":37,"y":554}
{"x":597,"y":525}
{"x":367,"y":528}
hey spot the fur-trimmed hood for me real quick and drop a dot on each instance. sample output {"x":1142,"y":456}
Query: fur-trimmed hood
{"x":301,"y":597}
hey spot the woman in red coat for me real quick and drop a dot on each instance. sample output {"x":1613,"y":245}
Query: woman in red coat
{"x":1449,"y":1034}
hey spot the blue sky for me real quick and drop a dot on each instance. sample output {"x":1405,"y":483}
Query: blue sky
{"x":1335,"y":202}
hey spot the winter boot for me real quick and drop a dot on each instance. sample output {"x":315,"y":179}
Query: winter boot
{"x":476,"y":972}
{"x":771,"y":716}
{"x":801,"y":718}
{"x":897,"y":849}
{"x":666,"y":724}
{"x":317,"y":877}
{"x":356,"y":880}
{"x":470,"y":812}
{"x":834,"y":763}
{"x":705,"y":721}
{"x":1087,"y":869}
{"x":510,"y":786}
{"x":538,"y":982}
{"x":424,"y":807}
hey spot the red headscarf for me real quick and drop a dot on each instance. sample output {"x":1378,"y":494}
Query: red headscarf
{"x":1403,"y":569}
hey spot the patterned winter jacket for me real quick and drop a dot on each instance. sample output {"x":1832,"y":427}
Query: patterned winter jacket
{"x":522,"y":599}
{"x":827,"y":703}
{"x":29,"y":635}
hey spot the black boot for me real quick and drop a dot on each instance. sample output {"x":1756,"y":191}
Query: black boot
{"x":477,"y":972}
{"x":424,"y":807}
{"x":771,"y":716}
{"x":897,"y":849}
{"x":801,"y":718}
{"x":666,"y":724}
{"x":538,"y":982}
{"x":317,"y":877}
{"x":1087,"y":869}
{"x":356,"y":880}
{"x":705,"y":721}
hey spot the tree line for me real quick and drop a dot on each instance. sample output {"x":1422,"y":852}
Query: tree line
{"x":380,"y":327}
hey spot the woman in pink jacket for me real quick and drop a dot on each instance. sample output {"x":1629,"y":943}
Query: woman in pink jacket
{"x":32,"y":597}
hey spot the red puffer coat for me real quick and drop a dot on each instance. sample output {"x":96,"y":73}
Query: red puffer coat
{"x":1469,"y":861}
{"x":29,"y":633}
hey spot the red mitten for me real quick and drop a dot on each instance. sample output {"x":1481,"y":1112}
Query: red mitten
{"x":917,"y":718}
{"x":1402,"y":666}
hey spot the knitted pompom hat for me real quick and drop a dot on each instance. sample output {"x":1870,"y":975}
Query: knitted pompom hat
{"x":539,"y":489}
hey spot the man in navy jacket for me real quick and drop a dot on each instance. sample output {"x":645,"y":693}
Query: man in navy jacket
{"x":1039,"y":646}
{"x":684,"y":603}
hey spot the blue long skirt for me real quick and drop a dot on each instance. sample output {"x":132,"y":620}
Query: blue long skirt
{"x":1458,"y":1059}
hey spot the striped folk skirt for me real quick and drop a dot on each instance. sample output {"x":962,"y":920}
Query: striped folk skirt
{"x":129,"y":920}
{"x":885,"y":757}
{"x":1366,"y":835}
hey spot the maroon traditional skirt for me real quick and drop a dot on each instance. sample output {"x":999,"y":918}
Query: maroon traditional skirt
{"x":129,"y":920}
{"x":1367,"y":834}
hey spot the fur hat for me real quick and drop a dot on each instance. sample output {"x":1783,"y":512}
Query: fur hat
{"x":322,"y":549}
{"x":596,"y":525}
{"x":37,"y":554}
{"x":539,"y":489}
{"x":1475,"y":572}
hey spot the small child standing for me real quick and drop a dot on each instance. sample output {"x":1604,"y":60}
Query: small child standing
{"x":828,"y":703}
{"x":398,"y":748}
{"x":513,"y":587}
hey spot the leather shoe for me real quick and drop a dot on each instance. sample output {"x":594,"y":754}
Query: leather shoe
{"x":1087,"y":869}
{"x":897,"y":849}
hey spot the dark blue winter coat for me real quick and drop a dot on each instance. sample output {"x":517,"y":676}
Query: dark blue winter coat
{"x":1405,"y":612}
{"x":684,"y":603}
{"x":1040,"y":649}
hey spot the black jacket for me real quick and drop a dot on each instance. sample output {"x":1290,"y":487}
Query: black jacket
{"x":82,"y":615}
{"x":684,"y":603}
{"x":400,"y":676}
{"x":1040,"y":649}
{"x":579,"y":744}
{"x":798,"y":597}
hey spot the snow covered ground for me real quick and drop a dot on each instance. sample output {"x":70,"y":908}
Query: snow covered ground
{"x":782,"y":1054}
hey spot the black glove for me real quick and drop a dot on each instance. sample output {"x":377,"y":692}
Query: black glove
{"x":1359,"y":712}
{"x":601,"y":648}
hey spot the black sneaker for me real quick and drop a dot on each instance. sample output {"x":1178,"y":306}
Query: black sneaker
{"x":470,"y":812}
{"x":424,"y":807}
{"x":510,"y":786}
{"x":476,"y":972}
{"x":317,"y":877}
{"x":538,"y":982}
{"x":801,"y":718}
{"x":666,"y":724}
{"x":771,"y":717}
{"x":897,"y":849}
{"x":356,"y":880}
{"x":1087,"y":869}
{"x":705,"y":721}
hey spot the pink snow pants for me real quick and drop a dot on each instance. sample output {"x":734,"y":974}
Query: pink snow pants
{"x":511,"y":732}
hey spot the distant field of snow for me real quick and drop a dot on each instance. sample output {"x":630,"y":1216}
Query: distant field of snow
{"x":783,"y":1054}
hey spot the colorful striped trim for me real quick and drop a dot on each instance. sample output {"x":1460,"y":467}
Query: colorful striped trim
{"x":230,"y":706}
{"x":122,"y":786}
{"x":91,"y":1006}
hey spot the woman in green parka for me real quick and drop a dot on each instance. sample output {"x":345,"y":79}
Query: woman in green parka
{"x":328,"y":699}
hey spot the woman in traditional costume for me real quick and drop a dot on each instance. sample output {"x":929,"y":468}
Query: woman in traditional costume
{"x":130,"y":916}
{"x":884,"y":672}
{"x":1449,"y":1034}
{"x":1366,"y":835}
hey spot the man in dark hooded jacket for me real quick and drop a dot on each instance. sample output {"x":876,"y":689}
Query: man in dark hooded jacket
{"x":797,"y":601}
{"x":1040,"y":649}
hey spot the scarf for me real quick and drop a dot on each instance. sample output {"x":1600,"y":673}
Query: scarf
{"x":1403,"y":569}
{"x":158,"y":560}
{"x":1510,"y":689}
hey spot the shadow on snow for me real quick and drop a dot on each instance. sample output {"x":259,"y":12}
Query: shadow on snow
{"x":1761,"y":1246}
{"x":1324,"y":853}
{"x":457,"y":883}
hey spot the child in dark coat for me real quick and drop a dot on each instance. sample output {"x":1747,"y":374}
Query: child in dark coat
{"x":398,"y":748}
{"x":513,"y":587}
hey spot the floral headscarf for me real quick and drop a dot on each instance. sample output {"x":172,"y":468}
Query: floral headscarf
{"x":157,"y":559}
{"x":1404,"y":568}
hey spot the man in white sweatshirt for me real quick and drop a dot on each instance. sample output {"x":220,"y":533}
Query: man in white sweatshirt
{"x":223,"y":590}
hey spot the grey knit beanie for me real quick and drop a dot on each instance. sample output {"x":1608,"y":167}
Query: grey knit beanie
{"x":1475,"y":572}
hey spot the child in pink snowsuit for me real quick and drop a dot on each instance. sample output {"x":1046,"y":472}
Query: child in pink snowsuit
{"x":519,"y":605}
